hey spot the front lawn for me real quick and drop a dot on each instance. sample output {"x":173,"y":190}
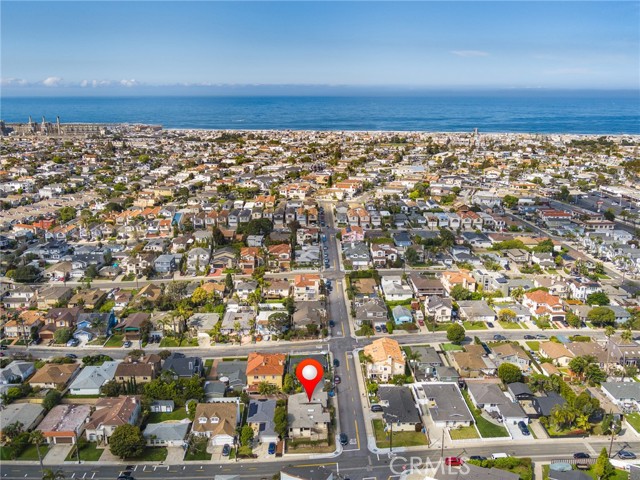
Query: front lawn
{"x":159,"y":417}
{"x":474,"y":325}
{"x":89,"y":452}
{"x":400,"y":439}
{"x":510,"y":325}
{"x":29,"y":453}
{"x":449,"y":347}
{"x":114,"y":341}
{"x":463,"y":433}
{"x":633,"y":419}
{"x":151,"y":454}
{"x":169,"y":342}
{"x":201,"y":456}
{"x":533,"y":345}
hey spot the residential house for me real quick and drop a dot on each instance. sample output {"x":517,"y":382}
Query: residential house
{"x":277,"y":289}
{"x":424,"y":287}
{"x":65,"y":423}
{"x":308,"y":419}
{"x":625,"y":395}
{"x":53,"y":375}
{"x":132,"y":326}
{"x":394,"y":289}
{"x":474,"y":362}
{"x":476,"y":311}
{"x":557,"y":352}
{"x":306,"y":287}
{"x":216,"y":421}
{"x":444,"y":404}
{"x":260,"y":419}
{"x":140,"y":370}
{"x":372,"y":312}
{"x":166,"y":434}
{"x":545,"y":405}
{"x":279,"y":256}
{"x":165,"y":263}
{"x":58,"y":318}
{"x":27,"y":321}
{"x":309,"y":313}
{"x":91,"y":379}
{"x":541,"y":303}
{"x":514,"y":354}
{"x":357,"y":254}
{"x":265,"y":367}
{"x":386,"y":359}
{"x":399,"y":409}
{"x":88,"y":299}
{"x":53,"y":296}
{"x":438,"y":308}
{"x":92,"y":325}
{"x":27,"y":414}
{"x":401,"y":315}
{"x":461,"y":277}
{"x":427,"y":362}
{"x":181,"y":366}
{"x":489,"y":397}
{"x":109,"y":414}
{"x":16,"y":372}
{"x":162,"y":406}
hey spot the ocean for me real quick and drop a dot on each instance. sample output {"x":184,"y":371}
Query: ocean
{"x":532,"y":111}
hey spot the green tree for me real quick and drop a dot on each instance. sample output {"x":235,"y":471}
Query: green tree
{"x":509,"y":373}
{"x":459,"y":293}
{"x":411,"y":256}
{"x":598,"y":298}
{"x":281,"y":420}
{"x":51,"y":399}
{"x":578,"y":365}
{"x":601,"y":316}
{"x":266,"y":388}
{"x":506,"y":315}
{"x":26,"y":274}
{"x":127,"y":441}
{"x":573,"y":320}
{"x":62,"y":335}
{"x":603,"y":470}
{"x":49,"y":474}
{"x":455,"y":333}
{"x":564,"y":194}
{"x":510,"y":201}
{"x":67,"y":213}
{"x":246,"y":436}
{"x":288,"y":383}
{"x":609,"y":214}
{"x":228,"y":282}
{"x":594,"y":375}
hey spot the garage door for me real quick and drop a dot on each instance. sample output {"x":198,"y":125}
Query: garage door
{"x":64,"y":439}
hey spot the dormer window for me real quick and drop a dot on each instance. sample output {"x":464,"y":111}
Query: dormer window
{"x":215,"y":419}
{"x":202,"y":420}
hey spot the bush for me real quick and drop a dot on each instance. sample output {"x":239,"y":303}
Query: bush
{"x":51,"y":399}
{"x":455,"y":333}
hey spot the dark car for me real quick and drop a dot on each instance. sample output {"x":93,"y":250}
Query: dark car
{"x":71,"y":355}
{"x":226,"y":450}
{"x":529,"y":337}
{"x":626,"y":455}
{"x":336,"y":380}
{"x":377,"y":328}
{"x":523,"y":428}
{"x":489,"y":324}
{"x":3,"y":347}
{"x":344,"y":440}
{"x":272,"y":448}
{"x":384,"y":328}
{"x":336,"y":362}
{"x":580,"y":455}
{"x":332,"y":323}
{"x":125,"y":477}
{"x":376,"y":408}
{"x":477,"y":457}
{"x":499,"y":337}
{"x":541,"y":337}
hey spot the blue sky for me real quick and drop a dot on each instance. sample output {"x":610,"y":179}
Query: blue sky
{"x":86,"y":47}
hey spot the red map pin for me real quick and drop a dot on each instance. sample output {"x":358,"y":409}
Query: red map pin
{"x":309,"y":373}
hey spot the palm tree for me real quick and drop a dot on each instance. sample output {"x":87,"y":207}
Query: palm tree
{"x":626,"y":335}
{"x":51,"y":475}
{"x":609,"y":331}
{"x":266,"y":388}
{"x":36,"y":437}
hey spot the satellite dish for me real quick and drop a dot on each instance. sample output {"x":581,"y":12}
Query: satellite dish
{"x":224,"y":379}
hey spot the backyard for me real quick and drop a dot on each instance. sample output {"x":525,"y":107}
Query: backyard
{"x":158,"y":417}
{"x":400,"y":439}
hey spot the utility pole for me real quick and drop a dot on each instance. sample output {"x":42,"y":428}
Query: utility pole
{"x":442,"y":446}
{"x":613,"y":433}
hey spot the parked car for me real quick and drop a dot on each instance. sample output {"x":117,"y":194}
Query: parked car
{"x":3,"y":347}
{"x":336,"y":380}
{"x":499,"y":337}
{"x":71,"y":355}
{"x":73,"y":342}
{"x":529,"y":337}
{"x":332,"y":323}
{"x":541,"y":337}
{"x":453,"y":461}
{"x":336,"y":362}
{"x":226,"y":450}
{"x":523,"y":428}
{"x":626,"y":455}
{"x":384,"y":328}
{"x":376,"y":408}
{"x":377,"y":328}
{"x":127,"y":344}
{"x":489,"y":324}
{"x":344,"y":440}
{"x":580,"y":455}
{"x":272,"y":448}
{"x":477,"y":457}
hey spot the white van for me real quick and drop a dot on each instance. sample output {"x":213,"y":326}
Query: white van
{"x":495,"y":456}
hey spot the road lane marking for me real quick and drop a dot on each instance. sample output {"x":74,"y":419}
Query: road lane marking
{"x":347,"y":357}
{"x":357,"y":434}
{"x":94,"y":474}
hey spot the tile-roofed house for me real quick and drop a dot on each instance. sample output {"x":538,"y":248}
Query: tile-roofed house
{"x":265,"y":367}
{"x":386,"y":359}
{"x":216,"y":421}
{"x":308,"y":419}
{"x":306,"y":286}
{"x":109,"y":414}
{"x":64,"y":423}
{"x":261,"y":419}
{"x":91,"y":379}
{"x":53,"y":375}
{"x":542,"y":303}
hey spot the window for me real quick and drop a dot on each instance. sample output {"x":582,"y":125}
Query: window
{"x":202,"y":420}
{"x":215,"y":420}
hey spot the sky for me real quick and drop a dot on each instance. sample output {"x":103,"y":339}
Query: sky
{"x":116,"y":47}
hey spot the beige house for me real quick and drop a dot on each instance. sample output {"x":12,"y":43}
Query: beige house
{"x":111,"y":413}
{"x":386,"y":358}
{"x":556,"y":352}
{"x":52,"y":375}
{"x":265,"y":367}
{"x":308,"y":419}
{"x":216,"y":421}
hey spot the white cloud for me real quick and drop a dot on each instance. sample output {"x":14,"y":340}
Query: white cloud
{"x":470,"y":53}
{"x":128,"y":83}
{"x":570,"y":71}
{"x":52,"y":81}
{"x":13,"y":82}
{"x":95,"y":83}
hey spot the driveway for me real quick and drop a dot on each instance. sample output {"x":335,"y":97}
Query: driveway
{"x":515,"y":432}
